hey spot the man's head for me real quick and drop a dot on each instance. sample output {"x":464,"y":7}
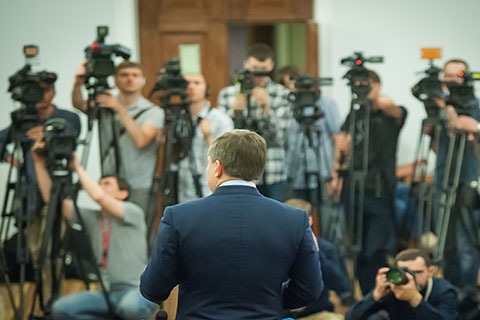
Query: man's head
{"x":48,"y":95}
{"x":375,"y":85}
{"x":115,"y":186}
{"x":197,"y":87}
{"x":285,"y":76}
{"x":452,"y":68}
{"x":260,"y":57}
{"x":129,"y":77}
{"x":417,"y":261}
{"x":238,"y":154}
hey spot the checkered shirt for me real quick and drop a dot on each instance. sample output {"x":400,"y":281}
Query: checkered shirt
{"x":272,"y":126}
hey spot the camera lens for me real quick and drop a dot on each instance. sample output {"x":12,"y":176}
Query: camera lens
{"x":396,"y":276}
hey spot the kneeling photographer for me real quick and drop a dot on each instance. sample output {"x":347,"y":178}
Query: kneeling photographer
{"x":408,"y":291}
{"x":117,"y":233}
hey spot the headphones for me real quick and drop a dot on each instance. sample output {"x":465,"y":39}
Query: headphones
{"x":207,"y":91}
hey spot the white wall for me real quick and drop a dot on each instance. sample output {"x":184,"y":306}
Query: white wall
{"x":62,"y":29}
{"x":396,"y":30}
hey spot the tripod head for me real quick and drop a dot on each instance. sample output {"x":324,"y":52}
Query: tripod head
{"x":358,"y":76}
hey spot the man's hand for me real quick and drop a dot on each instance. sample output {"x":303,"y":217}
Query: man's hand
{"x":74,"y":163}
{"x":35,"y":133}
{"x":382,"y":286}
{"x":383,"y":102}
{"x":343,"y":143}
{"x":334,"y":186}
{"x":240,"y":102}
{"x":106,"y":100}
{"x":80,"y":73}
{"x":408,"y":292}
{"x":38,"y":145}
{"x":261,"y":96}
{"x":439,"y":102}
{"x":206,"y":129}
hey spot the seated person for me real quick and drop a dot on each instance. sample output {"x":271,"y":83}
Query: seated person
{"x":422,"y":297}
{"x":332,"y":273}
{"x":118,"y":238}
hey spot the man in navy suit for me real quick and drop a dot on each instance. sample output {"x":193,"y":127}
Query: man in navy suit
{"x":232,"y":252}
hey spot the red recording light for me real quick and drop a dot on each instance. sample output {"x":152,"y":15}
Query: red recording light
{"x":358,"y":62}
{"x":95,"y":47}
{"x":461,"y":74}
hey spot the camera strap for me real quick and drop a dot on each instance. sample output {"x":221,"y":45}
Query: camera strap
{"x":429,"y":289}
{"x":106,"y":241}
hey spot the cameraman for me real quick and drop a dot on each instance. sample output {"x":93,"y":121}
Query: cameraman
{"x":209,"y":123}
{"x":461,"y":260}
{"x":141,"y":119}
{"x":378,"y":229}
{"x":422,"y":297}
{"x":45,"y":110}
{"x":118,"y":236}
{"x":270,"y":105}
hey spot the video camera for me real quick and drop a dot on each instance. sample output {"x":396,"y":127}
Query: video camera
{"x":174,"y":99}
{"x":462,"y":94}
{"x":246,"y":78}
{"x":305,"y":98}
{"x":100,"y":63}
{"x":358,"y":76}
{"x":25,"y":87}
{"x":398,"y":276}
{"x":60,"y":143}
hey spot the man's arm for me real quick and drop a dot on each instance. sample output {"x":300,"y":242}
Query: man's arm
{"x":162,"y":274}
{"x":366,"y":307}
{"x":305,"y":284}
{"x":141,"y":134}
{"x":43,"y":178}
{"x":78,"y":101}
{"x":108,"y":203}
{"x":441,"y":306}
{"x":389,"y":108}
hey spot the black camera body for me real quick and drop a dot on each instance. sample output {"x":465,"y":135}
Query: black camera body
{"x":60,"y":143}
{"x":398,"y":276}
{"x":462,"y":94}
{"x":358,"y":76}
{"x":428,"y":88}
{"x":25,"y":86}
{"x":100,"y":63}
{"x":305,"y":98}
{"x":172,"y":88}
{"x":246,"y":78}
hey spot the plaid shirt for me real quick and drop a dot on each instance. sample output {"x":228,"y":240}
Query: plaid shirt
{"x":272,"y":126}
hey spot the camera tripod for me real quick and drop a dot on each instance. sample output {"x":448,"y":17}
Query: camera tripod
{"x":55,"y":246}
{"x":18,"y":206}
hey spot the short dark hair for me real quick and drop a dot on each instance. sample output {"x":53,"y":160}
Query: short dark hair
{"x":374,"y":77}
{"x":261,"y":52}
{"x":287,"y":70}
{"x":128,"y":64}
{"x":241,"y":152}
{"x":456,"y":60}
{"x":412,"y":254}
{"x":122,"y":182}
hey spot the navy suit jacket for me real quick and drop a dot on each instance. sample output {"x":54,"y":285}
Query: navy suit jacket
{"x":231,"y":253}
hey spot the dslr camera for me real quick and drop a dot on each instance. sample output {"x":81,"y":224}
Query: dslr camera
{"x":398,"y":276}
{"x":100,"y":63}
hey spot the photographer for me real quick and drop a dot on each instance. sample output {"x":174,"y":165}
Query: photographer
{"x":141,"y":119}
{"x":209,"y":123}
{"x":378,"y":228}
{"x":421,"y":297}
{"x":45,"y":110}
{"x":271,"y":107}
{"x":462,"y":259}
{"x":117,"y":233}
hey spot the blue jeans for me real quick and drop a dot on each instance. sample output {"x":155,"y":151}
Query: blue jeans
{"x":127,"y":302}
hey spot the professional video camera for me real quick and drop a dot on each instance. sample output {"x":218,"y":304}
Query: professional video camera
{"x":25,"y":87}
{"x":358,"y":76}
{"x":174,"y":99}
{"x":398,"y":276}
{"x":100,"y":63}
{"x":60,"y":143}
{"x":462,"y":94}
{"x":246,"y":78}
{"x":305,"y":98}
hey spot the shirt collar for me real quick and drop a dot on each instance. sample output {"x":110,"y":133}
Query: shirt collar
{"x":243,"y":183}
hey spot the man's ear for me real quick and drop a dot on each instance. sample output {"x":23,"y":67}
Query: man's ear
{"x":123,"y":194}
{"x":218,"y":169}
{"x":431,"y":271}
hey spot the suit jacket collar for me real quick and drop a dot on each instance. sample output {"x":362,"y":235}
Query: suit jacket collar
{"x":236,"y":190}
